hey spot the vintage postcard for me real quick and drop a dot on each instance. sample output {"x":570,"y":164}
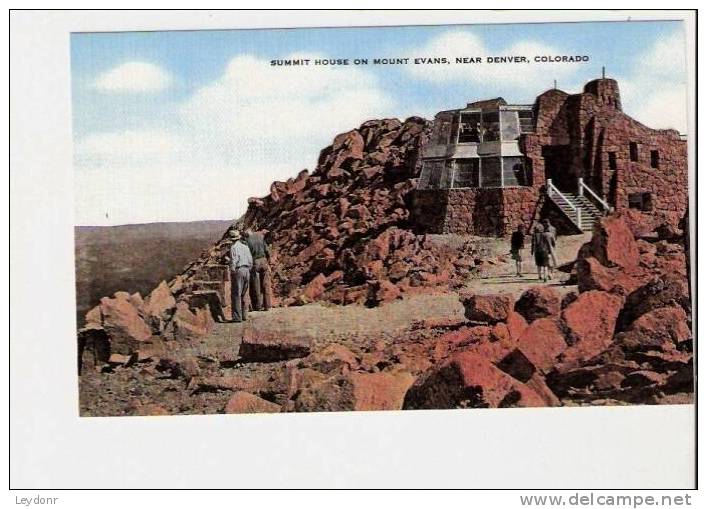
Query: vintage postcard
{"x":382,"y":218}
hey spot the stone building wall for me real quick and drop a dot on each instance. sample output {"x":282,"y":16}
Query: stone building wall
{"x":475,"y":211}
{"x":581,"y":135}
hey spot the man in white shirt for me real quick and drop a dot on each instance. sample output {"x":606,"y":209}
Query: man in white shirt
{"x":241,"y":263}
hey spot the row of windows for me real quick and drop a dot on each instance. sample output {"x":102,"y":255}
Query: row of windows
{"x":475,"y":172}
{"x":470,"y":127}
{"x":633,"y":156}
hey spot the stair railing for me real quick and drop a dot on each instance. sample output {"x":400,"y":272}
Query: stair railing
{"x":581,"y":186}
{"x":552,"y":191}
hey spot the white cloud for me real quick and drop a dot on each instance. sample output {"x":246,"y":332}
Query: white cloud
{"x":654,"y":93}
{"x":134,"y":77}
{"x":520,"y":77}
{"x":232,"y":138}
{"x":287,"y":113}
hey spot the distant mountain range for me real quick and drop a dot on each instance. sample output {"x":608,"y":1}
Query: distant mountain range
{"x":135,"y":257}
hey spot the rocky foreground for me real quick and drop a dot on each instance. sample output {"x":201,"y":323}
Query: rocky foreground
{"x":343,"y":236}
{"x":623,"y":337}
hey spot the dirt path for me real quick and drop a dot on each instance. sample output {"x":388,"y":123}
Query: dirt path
{"x":356,"y":324}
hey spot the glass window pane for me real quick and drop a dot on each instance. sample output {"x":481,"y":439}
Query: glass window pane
{"x":525,"y":117}
{"x":467,"y":173}
{"x":470,"y":128}
{"x":514,"y":172}
{"x":454,"y":130}
{"x":424,"y":175}
{"x":446,"y":169}
{"x":490,"y":126}
{"x":491,"y":172}
{"x":435,"y":174}
{"x":443,"y":125}
{"x":509,"y":126}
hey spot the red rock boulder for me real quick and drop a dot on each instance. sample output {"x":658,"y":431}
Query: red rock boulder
{"x":469,"y":380}
{"x":356,"y":391}
{"x":486,"y":308}
{"x":539,"y":302}
{"x":589,"y":323}
{"x":123,"y":324}
{"x":159,"y":307}
{"x":537,"y":350}
{"x":661,"y":329}
{"x":613,"y":244}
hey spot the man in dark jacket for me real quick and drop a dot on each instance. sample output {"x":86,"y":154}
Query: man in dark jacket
{"x":260,"y":276}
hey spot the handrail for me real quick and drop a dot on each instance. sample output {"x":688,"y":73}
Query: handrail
{"x":582,"y":186}
{"x":551,"y":187}
{"x":577,"y":209}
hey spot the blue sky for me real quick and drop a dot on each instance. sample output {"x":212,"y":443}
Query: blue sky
{"x":187,"y":125}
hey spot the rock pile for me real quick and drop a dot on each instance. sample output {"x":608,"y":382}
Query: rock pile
{"x":625,"y":337}
{"x":342,"y":234}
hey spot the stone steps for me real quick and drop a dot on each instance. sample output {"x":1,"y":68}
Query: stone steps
{"x":589,"y":213}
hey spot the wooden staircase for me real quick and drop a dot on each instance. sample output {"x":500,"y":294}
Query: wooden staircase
{"x":578,"y":208}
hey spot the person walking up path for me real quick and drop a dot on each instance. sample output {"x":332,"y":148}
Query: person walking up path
{"x":517,"y":246}
{"x":540,"y":249}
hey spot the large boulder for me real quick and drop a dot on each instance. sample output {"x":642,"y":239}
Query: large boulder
{"x":123,"y":324}
{"x":356,"y":391}
{"x":539,"y":302}
{"x":486,"y":308}
{"x":536,"y":351}
{"x":469,"y":379}
{"x":159,"y":307}
{"x":188,"y":324}
{"x":592,"y":275}
{"x":661,"y":291}
{"x":613,"y":244}
{"x":589,"y":323}
{"x":663,"y":329}
{"x":267,"y":346}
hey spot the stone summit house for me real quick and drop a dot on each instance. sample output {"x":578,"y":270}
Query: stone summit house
{"x":570,"y":157}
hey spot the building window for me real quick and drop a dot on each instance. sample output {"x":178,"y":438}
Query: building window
{"x":633,"y":151}
{"x":435,"y":178}
{"x":525,"y":118}
{"x":655,"y":159}
{"x":443,"y":133}
{"x":454,"y":131}
{"x":491,"y":126}
{"x":612,"y":161}
{"x":470,"y":128}
{"x":514,"y":172}
{"x":510,"y":130}
{"x":491,"y":175}
{"x":640,"y":201}
{"x":467,"y":173}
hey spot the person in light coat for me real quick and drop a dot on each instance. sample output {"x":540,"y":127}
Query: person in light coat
{"x":240,"y":266}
